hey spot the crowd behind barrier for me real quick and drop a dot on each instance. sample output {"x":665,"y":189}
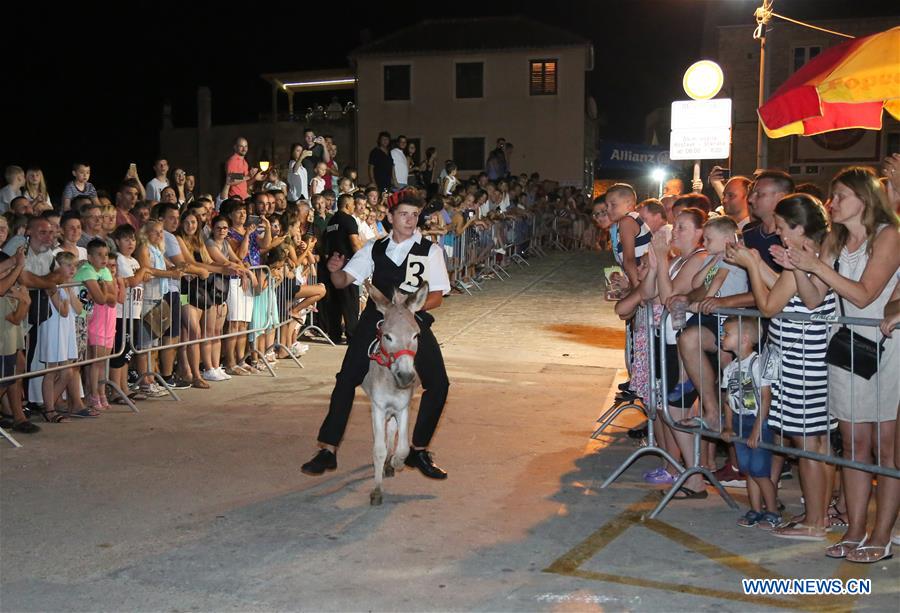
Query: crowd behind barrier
{"x":157,"y":287}
{"x":765,"y":329}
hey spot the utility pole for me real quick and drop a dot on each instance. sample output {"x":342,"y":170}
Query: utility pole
{"x":762,"y":14}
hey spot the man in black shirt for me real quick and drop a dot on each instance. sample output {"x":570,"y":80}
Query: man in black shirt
{"x":381,"y":164}
{"x":341,"y":308}
{"x":770,"y":187}
{"x":314,"y":151}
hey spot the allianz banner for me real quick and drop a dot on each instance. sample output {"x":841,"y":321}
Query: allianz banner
{"x":628,"y":155}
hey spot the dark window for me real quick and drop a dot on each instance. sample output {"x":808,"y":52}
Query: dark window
{"x":396,"y":82}
{"x":468,"y":153}
{"x":803,"y":55}
{"x":470,"y":80}
{"x":893,"y":143}
{"x":543,"y":78}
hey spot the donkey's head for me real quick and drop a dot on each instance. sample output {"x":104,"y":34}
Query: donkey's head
{"x":399,"y":332}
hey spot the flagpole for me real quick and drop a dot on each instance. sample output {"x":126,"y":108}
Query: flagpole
{"x":763,"y":14}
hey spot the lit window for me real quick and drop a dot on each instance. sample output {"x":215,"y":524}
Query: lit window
{"x":543,"y":78}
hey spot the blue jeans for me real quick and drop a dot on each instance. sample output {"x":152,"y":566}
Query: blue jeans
{"x":752,"y":462}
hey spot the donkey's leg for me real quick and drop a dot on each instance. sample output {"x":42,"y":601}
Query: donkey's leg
{"x":379,"y":452}
{"x":391,"y":443}
{"x":402,"y":451}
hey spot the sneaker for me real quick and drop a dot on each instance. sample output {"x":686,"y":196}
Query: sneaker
{"x":729,"y":476}
{"x":322,"y":461}
{"x":177,"y":383}
{"x":660,"y":476}
{"x":298,"y":348}
{"x":750,"y":519}
{"x":221,"y":372}
{"x":768,"y":521}
{"x":681,"y":390}
{"x":153,"y":390}
{"x":211,"y":375}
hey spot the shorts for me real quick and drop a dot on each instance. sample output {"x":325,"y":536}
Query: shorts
{"x":673,"y":376}
{"x":173,"y":299}
{"x":101,"y":326}
{"x":240,"y":303}
{"x":7,"y":369}
{"x":136,"y":339}
{"x":712,"y":322}
{"x":752,"y":462}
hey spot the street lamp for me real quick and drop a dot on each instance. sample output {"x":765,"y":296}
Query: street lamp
{"x":659,"y":175}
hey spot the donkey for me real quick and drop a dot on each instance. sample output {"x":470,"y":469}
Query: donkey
{"x":391,"y":379}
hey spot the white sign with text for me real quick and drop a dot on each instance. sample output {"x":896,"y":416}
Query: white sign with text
{"x":701,"y":129}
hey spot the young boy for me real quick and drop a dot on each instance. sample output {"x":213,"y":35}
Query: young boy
{"x":79,"y":186}
{"x":750,"y":396}
{"x":15,"y":181}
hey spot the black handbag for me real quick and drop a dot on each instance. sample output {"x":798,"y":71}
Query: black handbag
{"x":852,"y":352}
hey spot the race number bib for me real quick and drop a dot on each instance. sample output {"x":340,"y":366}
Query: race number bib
{"x":416,"y":269}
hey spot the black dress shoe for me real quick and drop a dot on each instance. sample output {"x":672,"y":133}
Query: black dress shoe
{"x":421,"y":459}
{"x":324,"y":460}
{"x":624,"y":386}
{"x":638,"y":432}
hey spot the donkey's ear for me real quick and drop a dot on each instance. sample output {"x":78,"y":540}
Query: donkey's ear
{"x":415,"y":302}
{"x":381,"y":301}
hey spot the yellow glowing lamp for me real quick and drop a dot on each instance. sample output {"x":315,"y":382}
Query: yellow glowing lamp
{"x":264,"y":166}
{"x":703,"y":80}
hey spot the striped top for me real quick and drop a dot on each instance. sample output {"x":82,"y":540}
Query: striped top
{"x":641,"y":241}
{"x":800,"y":397}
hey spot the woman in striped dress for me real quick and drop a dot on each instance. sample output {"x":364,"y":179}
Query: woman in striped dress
{"x":797,"y":371}
{"x":860,"y":261}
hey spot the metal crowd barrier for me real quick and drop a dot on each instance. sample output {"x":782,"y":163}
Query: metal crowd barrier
{"x":700,"y":430}
{"x":46,"y":330}
{"x":256,"y":311}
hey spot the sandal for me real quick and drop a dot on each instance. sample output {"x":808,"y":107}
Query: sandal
{"x":200,"y":384}
{"x":87,"y":412}
{"x":870,"y":554}
{"x":836,"y":519}
{"x":840,"y":550}
{"x":54,"y":417}
{"x":686,"y":493}
{"x":800,"y":532}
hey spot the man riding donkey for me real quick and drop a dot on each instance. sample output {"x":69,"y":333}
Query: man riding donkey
{"x":404,"y":260}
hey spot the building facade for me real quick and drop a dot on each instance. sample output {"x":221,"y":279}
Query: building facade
{"x":459,"y":85}
{"x":813,"y":159}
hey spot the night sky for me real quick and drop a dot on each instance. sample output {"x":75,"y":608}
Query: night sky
{"x":89,"y":81}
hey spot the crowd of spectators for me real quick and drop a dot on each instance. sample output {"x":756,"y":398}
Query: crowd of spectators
{"x":115,"y":290}
{"x":779,"y":248}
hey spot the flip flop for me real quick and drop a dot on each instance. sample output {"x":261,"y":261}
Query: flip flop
{"x":870,"y":554}
{"x":841,"y":549}
{"x":87,"y":412}
{"x":686,"y":493}
{"x":800,"y":532}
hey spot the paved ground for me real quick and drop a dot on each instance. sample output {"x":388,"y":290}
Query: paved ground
{"x":200,"y":505}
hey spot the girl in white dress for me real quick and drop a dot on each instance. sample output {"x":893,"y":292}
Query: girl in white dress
{"x":57,"y":340}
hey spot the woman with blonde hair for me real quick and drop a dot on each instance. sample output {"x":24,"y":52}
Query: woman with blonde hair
{"x":859,"y":261}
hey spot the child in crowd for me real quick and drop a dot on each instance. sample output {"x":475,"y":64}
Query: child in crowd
{"x":102,"y":291}
{"x":129,"y":328}
{"x":13,"y":311}
{"x":79,"y":186}
{"x":274,"y":182}
{"x":750,"y":396}
{"x":265,"y":306}
{"x":317,"y":185}
{"x":57,"y":341}
{"x":15,"y":181}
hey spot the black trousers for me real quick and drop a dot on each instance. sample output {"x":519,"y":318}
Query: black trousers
{"x":341,"y":310}
{"x":429,"y":365}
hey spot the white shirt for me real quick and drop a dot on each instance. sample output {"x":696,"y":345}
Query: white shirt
{"x":743,"y":381}
{"x":361,"y":266}
{"x":401,"y":169}
{"x":298,"y":182}
{"x":126,"y":267}
{"x":172,"y":249}
{"x":7,"y":194}
{"x":365,"y":231}
{"x":154,"y":188}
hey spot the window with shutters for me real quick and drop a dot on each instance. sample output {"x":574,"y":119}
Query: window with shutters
{"x":804,"y":54}
{"x":396,"y":82}
{"x":543,"y":77}
{"x":470,"y":80}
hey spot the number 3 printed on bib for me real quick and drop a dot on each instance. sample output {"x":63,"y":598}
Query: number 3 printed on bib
{"x":416,"y":269}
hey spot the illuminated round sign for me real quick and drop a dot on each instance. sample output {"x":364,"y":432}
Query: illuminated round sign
{"x":703,"y":80}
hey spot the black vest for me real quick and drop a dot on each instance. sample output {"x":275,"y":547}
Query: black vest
{"x":388,"y":277}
